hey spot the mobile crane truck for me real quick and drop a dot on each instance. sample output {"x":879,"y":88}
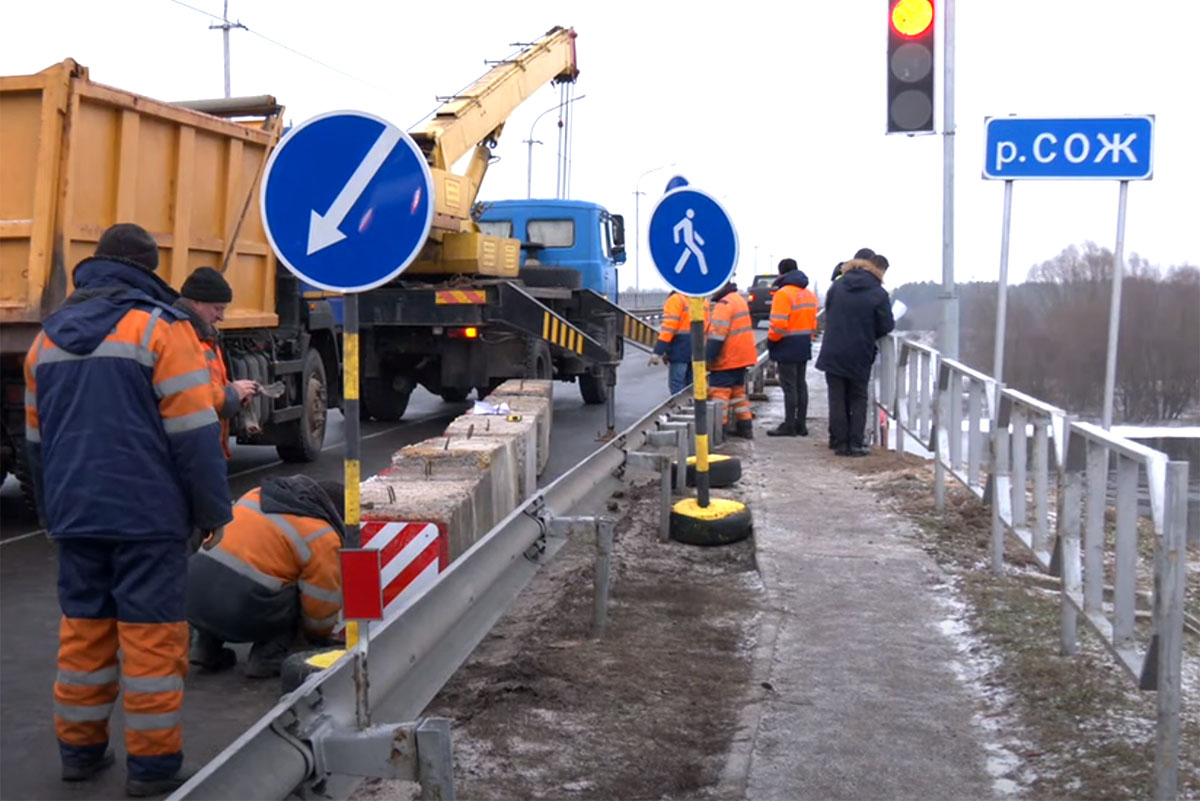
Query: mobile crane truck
{"x":500,"y":290}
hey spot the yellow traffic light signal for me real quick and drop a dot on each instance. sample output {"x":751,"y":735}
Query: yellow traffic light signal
{"x":910,"y":64}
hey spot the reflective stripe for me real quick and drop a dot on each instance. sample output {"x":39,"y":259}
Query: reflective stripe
{"x":32,"y":434}
{"x":105,"y":350}
{"x":806,"y":306}
{"x":805,"y":332}
{"x":320,"y":593}
{"x":783,"y":317}
{"x":196,"y":378}
{"x":319,"y":532}
{"x":325,"y":622}
{"x":238,"y":566}
{"x":151,"y":684}
{"x":30,"y":398}
{"x":91,"y":678}
{"x":83,"y":714}
{"x":739,"y":315}
{"x":163,"y":720}
{"x":287,"y":528}
{"x":154,"y":315}
{"x":190,"y":422}
{"x":674,"y":317}
{"x":716,"y":337}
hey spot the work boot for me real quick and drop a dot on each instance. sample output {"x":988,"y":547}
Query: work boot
{"x":82,"y":771}
{"x":144,"y":788}
{"x":782,"y":430}
{"x":208,"y":652}
{"x":801,"y":428}
{"x":266,"y":659}
{"x":743,"y":430}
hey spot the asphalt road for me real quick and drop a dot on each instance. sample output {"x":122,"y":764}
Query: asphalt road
{"x":219,"y":707}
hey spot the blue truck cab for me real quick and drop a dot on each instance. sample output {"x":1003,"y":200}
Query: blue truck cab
{"x":574,"y":234}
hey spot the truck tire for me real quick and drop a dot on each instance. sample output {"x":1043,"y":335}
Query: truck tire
{"x":537,"y":360}
{"x":593,"y":389}
{"x":454,"y":394}
{"x":380,"y":400}
{"x":563,"y":277}
{"x":307,"y":434}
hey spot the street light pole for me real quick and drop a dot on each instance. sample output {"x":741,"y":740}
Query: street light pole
{"x":531,"y":142}
{"x":637,"y":225}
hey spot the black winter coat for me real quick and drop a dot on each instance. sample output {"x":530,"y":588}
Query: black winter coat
{"x":857,"y":313}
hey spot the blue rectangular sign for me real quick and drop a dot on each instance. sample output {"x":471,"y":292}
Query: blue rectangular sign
{"x":1081,"y":148}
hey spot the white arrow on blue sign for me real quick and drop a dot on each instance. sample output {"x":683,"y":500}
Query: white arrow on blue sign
{"x":1090,"y":148}
{"x":347,"y":201}
{"x":692,"y":242}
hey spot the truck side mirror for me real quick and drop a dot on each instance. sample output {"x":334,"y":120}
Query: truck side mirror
{"x":618,"y":231}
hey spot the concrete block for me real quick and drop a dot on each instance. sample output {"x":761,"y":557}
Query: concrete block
{"x":493,"y":460}
{"x":530,"y":387}
{"x":522,"y":433}
{"x":458,"y":507}
{"x":541,"y":410}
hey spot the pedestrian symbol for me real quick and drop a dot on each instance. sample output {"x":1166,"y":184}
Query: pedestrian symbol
{"x":693,"y":242}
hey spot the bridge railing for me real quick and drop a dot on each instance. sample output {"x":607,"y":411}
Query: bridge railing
{"x":1109,"y":555}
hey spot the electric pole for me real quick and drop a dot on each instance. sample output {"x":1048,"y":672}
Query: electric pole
{"x":224,"y":27}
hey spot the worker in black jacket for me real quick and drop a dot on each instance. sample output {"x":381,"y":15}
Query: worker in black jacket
{"x":857,"y":313}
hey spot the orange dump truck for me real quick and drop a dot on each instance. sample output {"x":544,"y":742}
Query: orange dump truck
{"x":77,"y":156}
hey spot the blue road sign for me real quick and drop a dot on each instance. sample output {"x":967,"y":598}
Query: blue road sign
{"x":692,"y":242}
{"x":1095,"y":148}
{"x":347,"y":201}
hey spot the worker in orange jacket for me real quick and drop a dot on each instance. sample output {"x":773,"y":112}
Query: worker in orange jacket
{"x":674,"y":344}
{"x":273,"y":574}
{"x":789,"y":342}
{"x":731,"y":349}
{"x":203,"y":298}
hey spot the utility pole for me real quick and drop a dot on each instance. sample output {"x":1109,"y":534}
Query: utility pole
{"x":948,"y":336}
{"x":224,"y":27}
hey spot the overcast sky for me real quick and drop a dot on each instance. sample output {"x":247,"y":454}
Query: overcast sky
{"x":777,"y":110}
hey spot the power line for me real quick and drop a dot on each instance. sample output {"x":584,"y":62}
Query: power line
{"x":293,"y":50}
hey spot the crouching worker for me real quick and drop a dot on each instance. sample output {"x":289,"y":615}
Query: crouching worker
{"x":272,"y":575}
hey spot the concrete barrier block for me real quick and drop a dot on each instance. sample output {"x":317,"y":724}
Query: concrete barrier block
{"x":541,"y":410}
{"x":458,"y":507}
{"x":530,"y":387}
{"x":522,"y":433}
{"x":455,"y":457}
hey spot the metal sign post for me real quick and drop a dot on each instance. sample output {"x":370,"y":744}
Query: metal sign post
{"x":1066,"y":149}
{"x":694,"y":247}
{"x":347,"y":203}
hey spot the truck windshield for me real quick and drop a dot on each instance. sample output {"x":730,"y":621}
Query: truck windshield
{"x":496,"y":228}
{"x":551,"y":233}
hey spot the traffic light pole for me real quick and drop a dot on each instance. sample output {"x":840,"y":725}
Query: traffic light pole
{"x":948,"y":335}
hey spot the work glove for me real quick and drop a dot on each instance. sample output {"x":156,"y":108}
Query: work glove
{"x":214,"y":537}
{"x":655,"y":360}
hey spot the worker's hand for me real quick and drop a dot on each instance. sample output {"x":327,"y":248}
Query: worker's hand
{"x":655,"y":360}
{"x":245,"y":389}
{"x":214,"y":537}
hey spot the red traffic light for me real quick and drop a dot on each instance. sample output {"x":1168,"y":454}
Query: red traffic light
{"x":912,"y":17}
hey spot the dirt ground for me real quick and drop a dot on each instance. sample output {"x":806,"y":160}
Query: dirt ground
{"x":544,"y":709}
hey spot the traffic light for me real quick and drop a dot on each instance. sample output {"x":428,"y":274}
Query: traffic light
{"x":910,"y":66}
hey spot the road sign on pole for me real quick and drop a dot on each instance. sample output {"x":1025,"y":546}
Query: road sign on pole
{"x":347,"y":201}
{"x":693,"y":242}
{"x":1084,"y":148}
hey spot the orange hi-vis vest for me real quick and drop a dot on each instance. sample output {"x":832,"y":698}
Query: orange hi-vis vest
{"x":279,"y":549}
{"x":218,"y":377}
{"x":731,"y":326}
{"x":793,"y":312}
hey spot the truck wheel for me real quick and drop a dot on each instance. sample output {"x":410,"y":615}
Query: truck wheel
{"x":537,"y":361}
{"x":593,"y":389}
{"x":563,"y":277}
{"x":307,"y":434}
{"x":454,"y":394}
{"x":382,"y":401}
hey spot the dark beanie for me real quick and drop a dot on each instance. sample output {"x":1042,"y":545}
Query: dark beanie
{"x":864,"y":253}
{"x":129,"y":243}
{"x":206,"y":285}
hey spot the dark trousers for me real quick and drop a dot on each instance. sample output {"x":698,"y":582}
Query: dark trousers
{"x":847,"y":411}
{"x":794,"y":383}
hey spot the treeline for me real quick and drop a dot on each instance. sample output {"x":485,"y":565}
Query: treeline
{"x":1057,"y":333}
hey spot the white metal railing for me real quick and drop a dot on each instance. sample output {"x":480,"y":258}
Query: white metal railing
{"x":1041,"y":472}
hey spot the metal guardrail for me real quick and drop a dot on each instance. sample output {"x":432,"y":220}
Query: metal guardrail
{"x":954,"y":417}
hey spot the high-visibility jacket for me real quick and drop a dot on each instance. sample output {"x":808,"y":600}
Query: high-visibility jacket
{"x":120,"y":427}
{"x":266,"y":558}
{"x":225,"y":399}
{"x":731,"y":343}
{"x":793,"y":320}
{"x":674,"y":338}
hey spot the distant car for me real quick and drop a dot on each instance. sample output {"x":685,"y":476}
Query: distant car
{"x":760,"y":298}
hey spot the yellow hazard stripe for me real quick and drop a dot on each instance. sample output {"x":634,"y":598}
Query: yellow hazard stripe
{"x":445,"y":297}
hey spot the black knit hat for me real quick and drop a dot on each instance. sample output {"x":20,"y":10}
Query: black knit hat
{"x":864,"y":253}
{"x":129,"y":243}
{"x":206,"y":285}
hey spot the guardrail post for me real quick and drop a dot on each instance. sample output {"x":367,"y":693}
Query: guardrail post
{"x":1067,"y":550}
{"x":435,"y":760}
{"x":974,"y":433}
{"x":1170,"y":573}
{"x":716,"y":425}
{"x":943,"y":432}
{"x":1001,"y":496}
{"x":660,"y":463}
{"x":605,"y":526}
